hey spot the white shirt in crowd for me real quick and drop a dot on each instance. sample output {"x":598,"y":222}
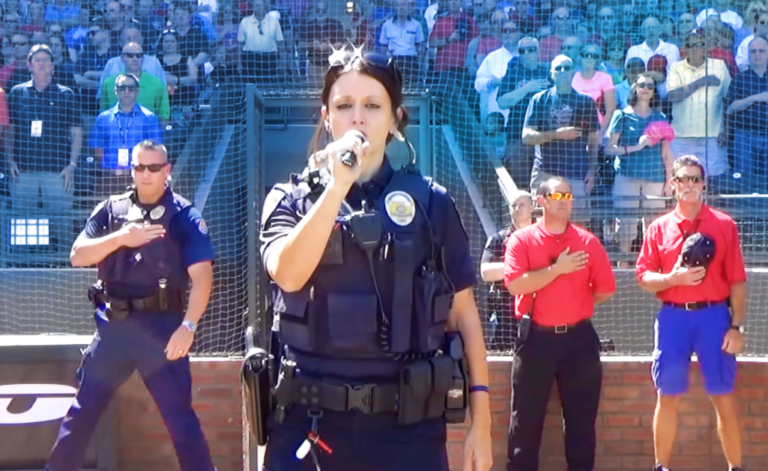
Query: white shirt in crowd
{"x":644,"y":52}
{"x":264,"y":40}
{"x":430,"y":15}
{"x":401,"y":38}
{"x":494,"y":66}
{"x":726,"y":16}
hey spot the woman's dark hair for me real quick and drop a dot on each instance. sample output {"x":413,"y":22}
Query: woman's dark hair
{"x":377,"y":66}
{"x":654,"y":103}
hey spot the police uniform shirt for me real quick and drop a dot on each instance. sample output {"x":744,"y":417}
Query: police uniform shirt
{"x":188,"y":228}
{"x":281,"y":216}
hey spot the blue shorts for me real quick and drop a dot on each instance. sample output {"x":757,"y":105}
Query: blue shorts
{"x":678,"y":334}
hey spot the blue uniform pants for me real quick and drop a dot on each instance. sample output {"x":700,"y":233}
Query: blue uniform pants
{"x":372,"y":442}
{"x":118,"y":349}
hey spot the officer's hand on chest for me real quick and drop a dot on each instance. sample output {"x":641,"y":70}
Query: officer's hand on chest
{"x":139,"y":234}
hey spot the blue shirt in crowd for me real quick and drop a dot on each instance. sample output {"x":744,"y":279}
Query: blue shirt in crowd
{"x":115,"y":130}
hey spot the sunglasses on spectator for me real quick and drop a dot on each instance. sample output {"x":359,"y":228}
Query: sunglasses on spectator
{"x":126,"y":88}
{"x":560,"y":196}
{"x":20,"y":44}
{"x":695,"y":45}
{"x":562,"y":17}
{"x":527,"y":50}
{"x":510,"y":30}
{"x":688,"y":178}
{"x":590,"y":55}
{"x":648,"y":85}
{"x":154,"y":168}
{"x":563,"y":68}
{"x":133,"y":55}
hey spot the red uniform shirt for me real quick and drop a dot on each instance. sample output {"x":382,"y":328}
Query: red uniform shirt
{"x":569,"y":298}
{"x":454,"y":54}
{"x":664,"y":242}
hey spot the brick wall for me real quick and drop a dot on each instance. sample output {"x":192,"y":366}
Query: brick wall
{"x":624,"y":437}
{"x":624,"y":424}
{"x":143,"y":441}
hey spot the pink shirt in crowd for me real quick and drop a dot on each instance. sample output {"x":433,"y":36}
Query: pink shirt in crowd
{"x":594,"y":87}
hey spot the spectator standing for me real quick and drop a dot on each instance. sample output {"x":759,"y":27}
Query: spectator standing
{"x":192,"y":41}
{"x":563,"y":125}
{"x":149,"y":63}
{"x":62,"y":11}
{"x":761,"y":30}
{"x":493,"y":68}
{"x":403,"y":38}
{"x":20,"y":72}
{"x":547,"y":265}
{"x":180,"y":72}
{"x":697,"y":85}
{"x":721,"y":10}
{"x":43,"y":148}
{"x":117,"y":131}
{"x":64,"y":67}
{"x":747,"y":115}
{"x":261,"y":35}
{"x":653,"y":45}
{"x":153,"y":94}
{"x":36,"y":19}
{"x":642,"y":165}
{"x":551,"y":46}
{"x":704,"y":304}
{"x":613,"y":64}
{"x":114,"y":25}
{"x":318,"y":33}
{"x":9,"y":62}
{"x":595,"y":84}
{"x":501,"y":320}
{"x":522,"y":80}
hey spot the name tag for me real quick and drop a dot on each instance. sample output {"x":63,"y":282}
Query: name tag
{"x":122,"y":157}
{"x":36,"y":129}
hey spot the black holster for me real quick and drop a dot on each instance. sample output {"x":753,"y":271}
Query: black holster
{"x":255,"y":377}
{"x":435,"y":387}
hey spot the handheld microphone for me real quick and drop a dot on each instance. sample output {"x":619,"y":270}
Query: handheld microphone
{"x":349,"y":158}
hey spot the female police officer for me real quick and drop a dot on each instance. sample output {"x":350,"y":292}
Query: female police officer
{"x":370,"y":267}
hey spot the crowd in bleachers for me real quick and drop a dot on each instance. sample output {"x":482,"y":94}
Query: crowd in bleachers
{"x":122,"y":71}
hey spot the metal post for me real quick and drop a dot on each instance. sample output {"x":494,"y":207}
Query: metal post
{"x":250,"y":131}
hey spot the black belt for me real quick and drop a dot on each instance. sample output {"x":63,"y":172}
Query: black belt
{"x":558,"y":329}
{"x":366,"y":398}
{"x":696,"y":306}
{"x":151,"y":303}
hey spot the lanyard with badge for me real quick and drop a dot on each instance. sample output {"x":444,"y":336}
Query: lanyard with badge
{"x":122,"y":152}
{"x":36,"y":129}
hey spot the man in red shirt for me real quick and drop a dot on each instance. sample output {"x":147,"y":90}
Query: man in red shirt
{"x":694,"y":316}
{"x":568,"y":272}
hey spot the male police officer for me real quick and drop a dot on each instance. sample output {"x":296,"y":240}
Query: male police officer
{"x":148,"y":244}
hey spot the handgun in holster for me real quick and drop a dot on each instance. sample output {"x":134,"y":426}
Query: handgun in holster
{"x":114,"y":309}
{"x":255,"y":377}
{"x":285,"y":389}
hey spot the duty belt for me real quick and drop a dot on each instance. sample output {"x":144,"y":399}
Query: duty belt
{"x":365,"y":398}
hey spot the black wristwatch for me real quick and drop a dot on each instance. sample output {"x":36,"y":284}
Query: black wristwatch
{"x":740,"y":328}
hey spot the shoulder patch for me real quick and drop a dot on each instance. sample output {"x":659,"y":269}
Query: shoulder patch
{"x":202,"y":226}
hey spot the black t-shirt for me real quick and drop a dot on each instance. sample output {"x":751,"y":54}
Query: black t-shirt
{"x":193,"y":43}
{"x":755,"y":117}
{"x":41,"y":124}
{"x":499,"y":298}
{"x":549,"y":111}
{"x":514,"y":78}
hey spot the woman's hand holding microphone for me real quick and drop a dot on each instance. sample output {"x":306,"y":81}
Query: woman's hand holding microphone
{"x":334,"y":158}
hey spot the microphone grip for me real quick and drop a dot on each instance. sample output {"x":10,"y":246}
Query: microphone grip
{"x":349,"y":159}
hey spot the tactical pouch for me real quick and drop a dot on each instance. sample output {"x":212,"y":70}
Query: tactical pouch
{"x":431,"y":304}
{"x":255,"y":377}
{"x":456,"y":401}
{"x":523,"y":329}
{"x":415,"y":388}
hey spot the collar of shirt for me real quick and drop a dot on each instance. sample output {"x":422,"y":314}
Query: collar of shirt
{"x":648,"y":48}
{"x":115,"y":110}
{"x":703,"y":215}
{"x":372,"y":189}
{"x":542,"y":228}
